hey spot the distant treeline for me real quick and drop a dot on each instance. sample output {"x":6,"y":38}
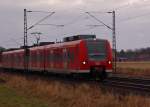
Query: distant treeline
{"x":142,"y":54}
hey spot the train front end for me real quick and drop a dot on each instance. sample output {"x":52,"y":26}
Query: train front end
{"x":96,"y":57}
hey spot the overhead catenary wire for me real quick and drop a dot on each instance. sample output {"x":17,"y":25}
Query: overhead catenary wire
{"x":39,"y":11}
{"x":99,"y":20}
{"x":134,"y":17}
{"x":40,"y":20}
{"x":129,"y":18}
{"x":85,"y":29}
{"x":15,"y":41}
{"x":128,"y":5}
{"x":118,"y":22}
{"x":55,"y":25}
{"x":75,"y":20}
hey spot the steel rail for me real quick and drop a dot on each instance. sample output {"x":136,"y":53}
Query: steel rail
{"x":137,"y":84}
{"x":130,"y":79}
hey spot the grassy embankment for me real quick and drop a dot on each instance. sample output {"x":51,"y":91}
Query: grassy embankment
{"x":59,"y":94}
{"x":140,"y":69}
{"x":10,"y":98}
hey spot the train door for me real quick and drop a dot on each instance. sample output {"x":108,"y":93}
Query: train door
{"x":38,"y":60}
{"x":47,"y":59}
{"x":51,"y":61}
{"x":65,"y":58}
{"x":76,"y":57}
{"x":31,"y":60}
{"x":11,"y":61}
{"x":54,"y":64}
{"x":71,"y":58}
{"x":61,"y":58}
{"x":21,"y":61}
{"x":42,"y":60}
{"x":35,"y":59}
{"x":26,"y":59}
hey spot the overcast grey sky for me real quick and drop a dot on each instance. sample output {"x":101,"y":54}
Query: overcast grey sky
{"x":132,"y":20}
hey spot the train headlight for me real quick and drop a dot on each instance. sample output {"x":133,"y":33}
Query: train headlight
{"x":84,"y":62}
{"x":109,"y":62}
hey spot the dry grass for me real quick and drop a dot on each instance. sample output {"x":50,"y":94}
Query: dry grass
{"x":135,"y":65}
{"x":60,"y":94}
{"x":139,"y":69}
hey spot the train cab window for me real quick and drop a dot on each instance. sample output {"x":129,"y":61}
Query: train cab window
{"x":96,"y":49}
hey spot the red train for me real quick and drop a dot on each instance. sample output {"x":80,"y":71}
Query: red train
{"x":77,"y":54}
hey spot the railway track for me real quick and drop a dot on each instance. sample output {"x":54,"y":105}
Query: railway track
{"x":115,"y":81}
{"x":128,"y":83}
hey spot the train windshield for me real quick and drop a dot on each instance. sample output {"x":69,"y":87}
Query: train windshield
{"x":96,"y":49}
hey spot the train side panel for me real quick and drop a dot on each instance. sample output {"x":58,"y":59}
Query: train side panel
{"x":37,"y":59}
{"x":40,"y":59}
{"x":48,"y":56}
{"x":33,"y":59}
{"x":18,"y":60}
{"x":13,"y":59}
{"x":62,"y":58}
{"x":50,"y":59}
{"x":6,"y":60}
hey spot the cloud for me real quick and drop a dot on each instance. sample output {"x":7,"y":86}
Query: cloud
{"x":73,"y":11}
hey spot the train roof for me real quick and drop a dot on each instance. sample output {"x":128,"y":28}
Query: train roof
{"x":53,"y":45}
{"x":78,"y":37}
{"x":11,"y":51}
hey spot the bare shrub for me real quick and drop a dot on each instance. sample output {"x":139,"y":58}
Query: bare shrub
{"x":60,"y":94}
